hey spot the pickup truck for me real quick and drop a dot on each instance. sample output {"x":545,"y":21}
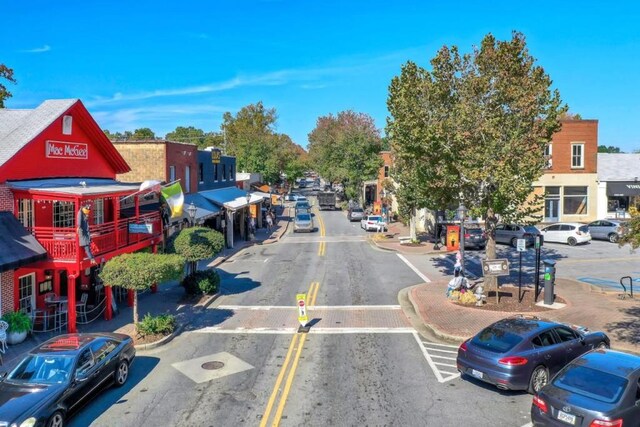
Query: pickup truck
{"x":326,"y":200}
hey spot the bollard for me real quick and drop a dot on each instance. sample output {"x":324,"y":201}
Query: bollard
{"x":549,"y":280}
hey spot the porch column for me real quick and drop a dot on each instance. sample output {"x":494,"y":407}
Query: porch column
{"x":230,"y":228}
{"x":108,"y":312}
{"x":243,"y":223}
{"x":259,"y":214}
{"x":71,"y":304}
{"x":154,"y":287}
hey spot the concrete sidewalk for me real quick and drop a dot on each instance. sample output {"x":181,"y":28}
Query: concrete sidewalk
{"x":587,"y":305}
{"x":165,"y":301}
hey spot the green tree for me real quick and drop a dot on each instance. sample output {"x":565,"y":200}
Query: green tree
{"x":196,"y":244}
{"x":485,"y":121}
{"x":196,"y":136}
{"x":608,"y":149}
{"x":6,"y":73}
{"x":143,"y":134}
{"x":138,"y":271}
{"x":345,"y":148}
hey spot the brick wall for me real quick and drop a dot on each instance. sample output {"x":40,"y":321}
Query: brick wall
{"x":6,"y":198}
{"x":388,"y":161}
{"x":583,"y":131}
{"x":182,"y":155}
{"x":146,"y":160}
{"x":6,"y":290}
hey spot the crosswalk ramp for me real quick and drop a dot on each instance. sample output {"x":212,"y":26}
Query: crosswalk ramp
{"x":440,"y":357}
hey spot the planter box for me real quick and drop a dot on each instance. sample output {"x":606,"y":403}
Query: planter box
{"x":16,"y":337}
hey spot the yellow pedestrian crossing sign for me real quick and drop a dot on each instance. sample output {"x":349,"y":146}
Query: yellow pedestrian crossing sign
{"x":302,"y":309}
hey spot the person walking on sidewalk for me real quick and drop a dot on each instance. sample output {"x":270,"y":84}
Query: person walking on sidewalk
{"x":269,"y":222}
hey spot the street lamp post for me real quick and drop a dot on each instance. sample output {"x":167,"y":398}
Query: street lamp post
{"x":248,"y":222}
{"x":462,"y":213}
{"x":192,"y":210}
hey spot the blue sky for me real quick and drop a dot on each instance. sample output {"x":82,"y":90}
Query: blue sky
{"x":162,"y":64}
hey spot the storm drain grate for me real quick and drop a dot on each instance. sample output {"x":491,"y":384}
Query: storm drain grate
{"x":212,"y":366}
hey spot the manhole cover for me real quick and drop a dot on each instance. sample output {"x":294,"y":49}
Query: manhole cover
{"x":212,"y":366}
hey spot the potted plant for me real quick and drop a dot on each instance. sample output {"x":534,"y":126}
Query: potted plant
{"x":19,"y":325}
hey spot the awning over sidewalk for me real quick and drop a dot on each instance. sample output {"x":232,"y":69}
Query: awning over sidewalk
{"x":630,"y":188}
{"x":231,"y":198}
{"x":205,"y":210}
{"x":17,"y":246}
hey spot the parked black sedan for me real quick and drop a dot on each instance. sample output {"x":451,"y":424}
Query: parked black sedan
{"x":600,"y":388}
{"x":523,"y":353}
{"x":62,"y":374}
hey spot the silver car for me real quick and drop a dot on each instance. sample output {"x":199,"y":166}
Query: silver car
{"x":607,"y":229}
{"x":303,"y":223}
{"x":510,"y":233}
{"x":355,"y":214}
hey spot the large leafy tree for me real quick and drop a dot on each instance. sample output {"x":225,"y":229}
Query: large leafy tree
{"x":345,"y":148}
{"x":6,"y":73}
{"x":196,"y":136}
{"x":138,"y":271}
{"x":476,"y":128}
{"x":143,"y":133}
{"x":608,"y":149}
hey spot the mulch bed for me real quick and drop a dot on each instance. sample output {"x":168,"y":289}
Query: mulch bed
{"x":509,"y":301}
{"x":148,"y":339}
{"x":193,"y":299}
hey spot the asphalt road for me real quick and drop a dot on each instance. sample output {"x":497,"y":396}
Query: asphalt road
{"x":361,"y":364}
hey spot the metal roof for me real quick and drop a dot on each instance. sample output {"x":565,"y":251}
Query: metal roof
{"x":618,"y":167}
{"x":74,"y":186}
{"x":19,"y":127}
{"x":206,"y":209}
{"x":230,"y":197}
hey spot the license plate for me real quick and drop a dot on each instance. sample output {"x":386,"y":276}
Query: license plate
{"x":477,"y":374}
{"x":567,"y":418}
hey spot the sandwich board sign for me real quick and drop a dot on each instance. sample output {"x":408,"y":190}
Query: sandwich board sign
{"x":302,"y":309}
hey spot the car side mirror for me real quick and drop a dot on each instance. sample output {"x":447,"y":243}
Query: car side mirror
{"x":80,"y":378}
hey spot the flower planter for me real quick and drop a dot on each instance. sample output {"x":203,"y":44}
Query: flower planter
{"x":16,"y":337}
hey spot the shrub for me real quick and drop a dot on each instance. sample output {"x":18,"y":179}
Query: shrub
{"x":202,"y":281}
{"x":155,"y":325}
{"x":18,"y":321}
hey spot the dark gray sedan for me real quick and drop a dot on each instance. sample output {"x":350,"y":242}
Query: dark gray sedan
{"x":522,"y":353}
{"x":510,"y":233}
{"x":600,"y":388}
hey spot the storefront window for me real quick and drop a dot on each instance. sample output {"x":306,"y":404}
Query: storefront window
{"x":63,"y":214}
{"x":575,"y":201}
{"x":26,"y":296}
{"x":551,"y":204}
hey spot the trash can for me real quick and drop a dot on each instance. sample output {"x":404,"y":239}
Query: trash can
{"x":453,"y":237}
{"x":549,"y":280}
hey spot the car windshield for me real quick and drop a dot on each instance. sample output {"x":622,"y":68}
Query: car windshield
{"x":375,"y":218}
{"x":357,"y":210}
{"x":591,"y":383}
{"x":43,"y":369}
{"x":304,"y":217}
{"x":473,"y":230}
{"x":531,"y":229}
{"x":496,"y":340}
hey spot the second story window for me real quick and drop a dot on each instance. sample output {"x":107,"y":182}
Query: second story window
{"x":172,"y":173}
{"x":98,"y":211}
{"x":25,"y":212}
{"x":63,"y":215}
{"x":187,"y":179}
{"x":386,"y":171}
{"x":200,"y":173}
{"x":548,"y":151}
{"x":577,"y":156}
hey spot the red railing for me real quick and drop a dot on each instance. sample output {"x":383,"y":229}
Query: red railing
{"x":62,"y":243}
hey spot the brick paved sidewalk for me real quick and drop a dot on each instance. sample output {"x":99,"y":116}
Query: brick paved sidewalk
{"x":390,"y":240}
{"x":586,"y":306}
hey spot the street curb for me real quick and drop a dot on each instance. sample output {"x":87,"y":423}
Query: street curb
{"x":210,"y":300}
{"x":371,"y":240}
{"x":433,"y":329}
{"x":161,"y":341}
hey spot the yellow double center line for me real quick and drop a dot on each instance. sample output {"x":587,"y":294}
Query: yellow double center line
{"x":296,"y":345}
{"x":322,"y":249}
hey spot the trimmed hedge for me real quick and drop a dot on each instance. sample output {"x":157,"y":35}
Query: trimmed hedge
{"x":202,"y":282}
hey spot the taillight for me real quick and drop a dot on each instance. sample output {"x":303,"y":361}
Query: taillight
{"x":541,"y":404}
{"x":463,"y":346}
{"x":513,"y":361}
{"x":525,"y":235}
{"x":467,"y":235}
{"x":603,"y":423}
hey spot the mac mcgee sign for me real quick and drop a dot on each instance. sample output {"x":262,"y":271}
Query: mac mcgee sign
{"x":66,"y":150}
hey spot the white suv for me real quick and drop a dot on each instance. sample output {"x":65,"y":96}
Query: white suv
{"x":570,"y":233}
{"x":373,"y":222}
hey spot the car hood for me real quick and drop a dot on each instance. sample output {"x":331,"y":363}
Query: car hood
{"x":17,"y":399}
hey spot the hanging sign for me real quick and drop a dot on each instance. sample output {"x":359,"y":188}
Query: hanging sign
{"x":302,"y":309}
{"x":141,"y":228}
{"x":66,"y":150}
{"x":215,"y":156}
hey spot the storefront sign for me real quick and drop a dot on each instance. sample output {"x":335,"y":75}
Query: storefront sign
{"x":66,"y":150}
{"x":141,"y":228}
{"x":495,"y":267}
{"x":215,"y":156}
{"x":622,"y":189}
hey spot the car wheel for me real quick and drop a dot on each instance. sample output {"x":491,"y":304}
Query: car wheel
{"x":122,"y":373}
{"x":56,"y":420}
{"x":613,"y":237}
{"x":602,"y":344}
{"x":572,"y":241}
{"x":539,"y":379}
{"x":514,"y":242}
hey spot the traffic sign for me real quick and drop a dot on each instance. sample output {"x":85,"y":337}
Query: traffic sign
{"x":522,"y":245}
{"x":302,"y":309}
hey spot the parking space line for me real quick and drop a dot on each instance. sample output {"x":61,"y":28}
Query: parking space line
{"x":441,"y":375}
{"x":415,"y":270}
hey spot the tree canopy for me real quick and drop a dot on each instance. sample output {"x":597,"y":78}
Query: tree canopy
{"x":6,"y":73}
{"x":608,"y":149}
{"x":137,"y":135}
{"x":345,"y":148}
{"x":196,"y":136}
{"x":197,"y":243}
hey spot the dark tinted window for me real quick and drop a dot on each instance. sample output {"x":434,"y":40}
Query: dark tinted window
{"x":553,"y":228}
{"x":357,"y":210}
{"x":85,"y":361}
{"x":566,"y":334}
{"x":591,"y":383}
{"x":531,"y":229}
{"x":584,"y":228}
{"x":304,"y":217}
{"x":500,"y":227}
{"x":544,"y":339}
{"x":496,"y":340}
{"x":565,"y":227}
{"x":474,"y":231}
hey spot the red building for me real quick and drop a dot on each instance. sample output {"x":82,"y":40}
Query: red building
{"x":55,"y":159}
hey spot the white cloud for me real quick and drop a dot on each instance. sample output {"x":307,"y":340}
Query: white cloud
{"x":45,"y":48}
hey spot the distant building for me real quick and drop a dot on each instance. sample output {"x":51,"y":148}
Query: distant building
{"x":618,"y":184}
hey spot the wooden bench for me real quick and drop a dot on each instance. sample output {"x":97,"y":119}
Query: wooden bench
{"x":404,"y":240}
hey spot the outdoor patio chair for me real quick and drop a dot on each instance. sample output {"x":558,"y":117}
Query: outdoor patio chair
{"x":3,"y":336}
{"x":81,"y":307}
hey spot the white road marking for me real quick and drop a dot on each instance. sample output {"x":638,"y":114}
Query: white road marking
{"x":438,"y":372}
{"x":313,"y":330}
{"x":415,"y":270}
{"x":528,"y":425}
{"x":265,"y":261}
{"x":317,"y":307}
{"x":467,"y":272}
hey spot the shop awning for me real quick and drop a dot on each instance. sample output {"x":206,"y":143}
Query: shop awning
{"x":231,"y":197}
{"x":630,"y":188}
{"x":74,"y":186}
{"x":17,"y":246}
{"x":205,"y":210}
